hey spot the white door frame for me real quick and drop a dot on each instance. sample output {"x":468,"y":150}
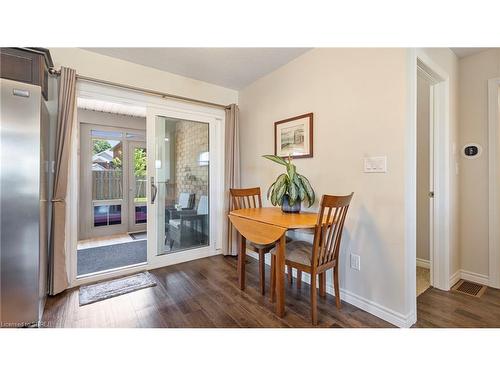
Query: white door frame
{"x":118,"y":95}
{"x":432,"y":122}
{"x":494,"y":181}
{"x":441,"y":166}
{"x":216,"y":182}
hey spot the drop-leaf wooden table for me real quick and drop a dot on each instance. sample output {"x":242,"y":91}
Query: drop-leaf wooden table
{"x":264,"y":226}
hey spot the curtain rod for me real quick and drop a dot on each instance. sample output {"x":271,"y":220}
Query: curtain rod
{"x":147,"y":91}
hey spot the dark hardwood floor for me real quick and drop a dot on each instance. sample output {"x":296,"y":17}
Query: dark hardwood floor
{"x":437,"y":308}
{"x":202,"y":293}
{"x":205,"y":293}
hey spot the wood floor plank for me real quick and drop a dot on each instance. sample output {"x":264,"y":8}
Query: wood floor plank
{"x":437,"y":308}
{"x":205,"y":293}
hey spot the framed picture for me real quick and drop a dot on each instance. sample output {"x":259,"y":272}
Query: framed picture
{"x":294,"y":136}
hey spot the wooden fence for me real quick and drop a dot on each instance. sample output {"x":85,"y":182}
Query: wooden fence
{"x":109,"y":185}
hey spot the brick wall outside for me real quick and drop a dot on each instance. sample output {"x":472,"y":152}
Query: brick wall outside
{"x":191,"y":140}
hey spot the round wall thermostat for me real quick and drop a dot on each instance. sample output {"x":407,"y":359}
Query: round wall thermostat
{"x":472,"y":151}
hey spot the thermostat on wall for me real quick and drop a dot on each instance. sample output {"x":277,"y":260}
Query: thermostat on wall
{"x":472,"y":151}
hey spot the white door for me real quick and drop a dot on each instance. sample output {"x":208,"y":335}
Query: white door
{"x":113,"y":181}
{"x":103,"y":171}
{"x":183,"y":182}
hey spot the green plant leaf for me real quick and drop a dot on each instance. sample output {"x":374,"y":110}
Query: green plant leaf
{"x":273,"y":197}
{"x":291,"y":170}
{"x":276,"y":159}
{"x":294,"y":193}
{"x":269,"y":190}
{"x":302,"y":190}
{"x":281,"y":193}
{"x":311,"y":197}
{"x":279,"y":185}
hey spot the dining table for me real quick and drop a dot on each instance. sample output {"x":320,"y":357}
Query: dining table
{"x":264,"y":226}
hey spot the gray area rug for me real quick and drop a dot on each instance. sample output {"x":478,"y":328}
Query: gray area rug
{"x":112,"y":256}
{"x":108,"y":289}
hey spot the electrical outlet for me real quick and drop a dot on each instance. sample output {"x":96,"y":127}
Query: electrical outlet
{"x":355,"y":262}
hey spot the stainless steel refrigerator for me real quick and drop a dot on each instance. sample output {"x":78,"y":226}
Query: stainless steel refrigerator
{"x":24,"y":207}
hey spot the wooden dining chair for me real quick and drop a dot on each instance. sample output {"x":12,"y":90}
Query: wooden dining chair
{"x":322,"y":254}
{"x":251,"y":198}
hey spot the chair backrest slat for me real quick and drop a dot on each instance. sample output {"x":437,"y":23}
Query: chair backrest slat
{"x":246,"y":198}
{"x":329,"y":228}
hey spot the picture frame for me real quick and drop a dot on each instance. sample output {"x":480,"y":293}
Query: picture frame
{"x":294,"y":137}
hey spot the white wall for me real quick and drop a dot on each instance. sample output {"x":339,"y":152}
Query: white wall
{"x":359,"y":100}
{"x":94,"y":65}
{"x":423,"y":167}
{"x":475,"y":70}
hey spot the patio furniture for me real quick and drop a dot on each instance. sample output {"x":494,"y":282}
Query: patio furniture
{"x":191,"y":228}
{"x":186,"y":205}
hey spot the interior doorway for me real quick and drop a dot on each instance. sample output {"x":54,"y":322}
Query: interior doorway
{"x":434,"y":195}
{"x":425,"y":179}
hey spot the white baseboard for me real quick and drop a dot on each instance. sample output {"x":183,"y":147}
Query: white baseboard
{"x":424,"y":263}
{"x":382,"y":312}
{"x":474,"y":277}
{"x":469,"y":276}
{"x":455,"y":278}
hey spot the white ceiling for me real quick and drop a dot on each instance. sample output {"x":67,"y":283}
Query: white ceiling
{"x":463,"y":52}
{"x":233,"y":68}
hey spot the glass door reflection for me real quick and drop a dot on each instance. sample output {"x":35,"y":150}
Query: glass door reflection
{"x":182,"y":178}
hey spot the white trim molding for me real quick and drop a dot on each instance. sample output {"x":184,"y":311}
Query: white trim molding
{"x":410,"y":192}
{"x":440,"y":267}
{"x":455,"y":277}
{"x":475,"y":277}
{"x":424,"y":263}
{"x":380,"y":311}
{"x":494,"y":181}
{"x":469,"y":276}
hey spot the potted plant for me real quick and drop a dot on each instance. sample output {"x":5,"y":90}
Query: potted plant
{"x":290,"y":189}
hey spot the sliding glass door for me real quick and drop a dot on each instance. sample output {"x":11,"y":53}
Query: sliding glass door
{"x":179,"y":178}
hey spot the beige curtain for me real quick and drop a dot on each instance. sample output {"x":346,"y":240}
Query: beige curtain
{"x":66,"y":110}
{"x":231,"y":175}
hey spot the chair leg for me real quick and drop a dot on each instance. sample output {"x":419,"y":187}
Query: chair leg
{"x":322,"y":284}
{"x":289,"y":274}
{"x":262,"y":272}
{"x":273,"y":278}
{"x":336,"y":287}
{"x":241,"y":262}
{"x":314,"y":300}
{"x":299,"y":279}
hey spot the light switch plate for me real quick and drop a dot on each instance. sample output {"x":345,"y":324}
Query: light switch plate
{"x":375,"y":164}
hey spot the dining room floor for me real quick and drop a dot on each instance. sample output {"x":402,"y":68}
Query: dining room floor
{"x":203,"y":293}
